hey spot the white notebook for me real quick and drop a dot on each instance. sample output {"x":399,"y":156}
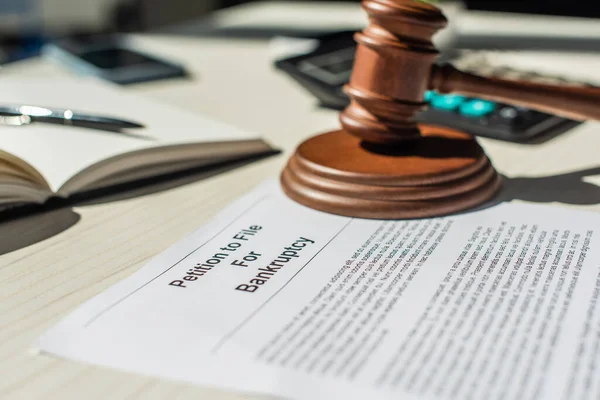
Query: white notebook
{"x":42,"y":160}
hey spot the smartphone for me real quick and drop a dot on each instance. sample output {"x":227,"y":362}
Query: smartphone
{"x":112,"y":58}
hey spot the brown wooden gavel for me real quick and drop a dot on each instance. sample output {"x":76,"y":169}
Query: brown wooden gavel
{"x":382,"y":163}
{"x":397,"y":51}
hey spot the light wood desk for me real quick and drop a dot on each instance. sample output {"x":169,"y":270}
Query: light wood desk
{"x":91,"y":247}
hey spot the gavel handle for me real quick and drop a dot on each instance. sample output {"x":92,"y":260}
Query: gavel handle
{"x":568,"y":101}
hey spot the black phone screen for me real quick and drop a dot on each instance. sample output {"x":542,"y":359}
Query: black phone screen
{"x":116,"y":58}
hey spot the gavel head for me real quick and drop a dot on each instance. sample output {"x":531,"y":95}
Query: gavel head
{"x":392,"y":70}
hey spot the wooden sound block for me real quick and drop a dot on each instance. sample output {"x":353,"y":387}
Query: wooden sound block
{"x":443,"y":172}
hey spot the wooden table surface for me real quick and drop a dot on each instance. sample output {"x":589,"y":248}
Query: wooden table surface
{"x":51,"y":263}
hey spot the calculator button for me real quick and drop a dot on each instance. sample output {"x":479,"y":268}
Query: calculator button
{"x":509,"y":113}
{"x":449,"y":102}
{"x":508,"y":117}
{"x":429,"y":96}
{"x":477,"y":108}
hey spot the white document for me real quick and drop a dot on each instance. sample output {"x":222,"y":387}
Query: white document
{"x":275,"y":298}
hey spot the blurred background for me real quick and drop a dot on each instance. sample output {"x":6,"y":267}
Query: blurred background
{"x":25,"y":25}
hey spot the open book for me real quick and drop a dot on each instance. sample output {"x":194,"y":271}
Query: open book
{"x":43,"y":160}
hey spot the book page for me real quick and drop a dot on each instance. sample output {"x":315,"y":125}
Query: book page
{"x":59,"y":152}
{"x":272,"y":297}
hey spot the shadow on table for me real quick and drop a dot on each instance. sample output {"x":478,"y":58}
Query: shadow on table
{"x":32,"y":224}
{"x":19,"y":231}
{"x":568,"y":188}
{"x":23,"y":230}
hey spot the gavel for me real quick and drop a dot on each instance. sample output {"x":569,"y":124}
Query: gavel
{"x":382,"y":164}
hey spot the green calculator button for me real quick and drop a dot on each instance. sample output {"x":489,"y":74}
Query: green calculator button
{"x":477,"y":108}
{"x":448,"y":102}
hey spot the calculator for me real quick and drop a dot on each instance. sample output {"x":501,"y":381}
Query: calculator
{"x":325,"y":70}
